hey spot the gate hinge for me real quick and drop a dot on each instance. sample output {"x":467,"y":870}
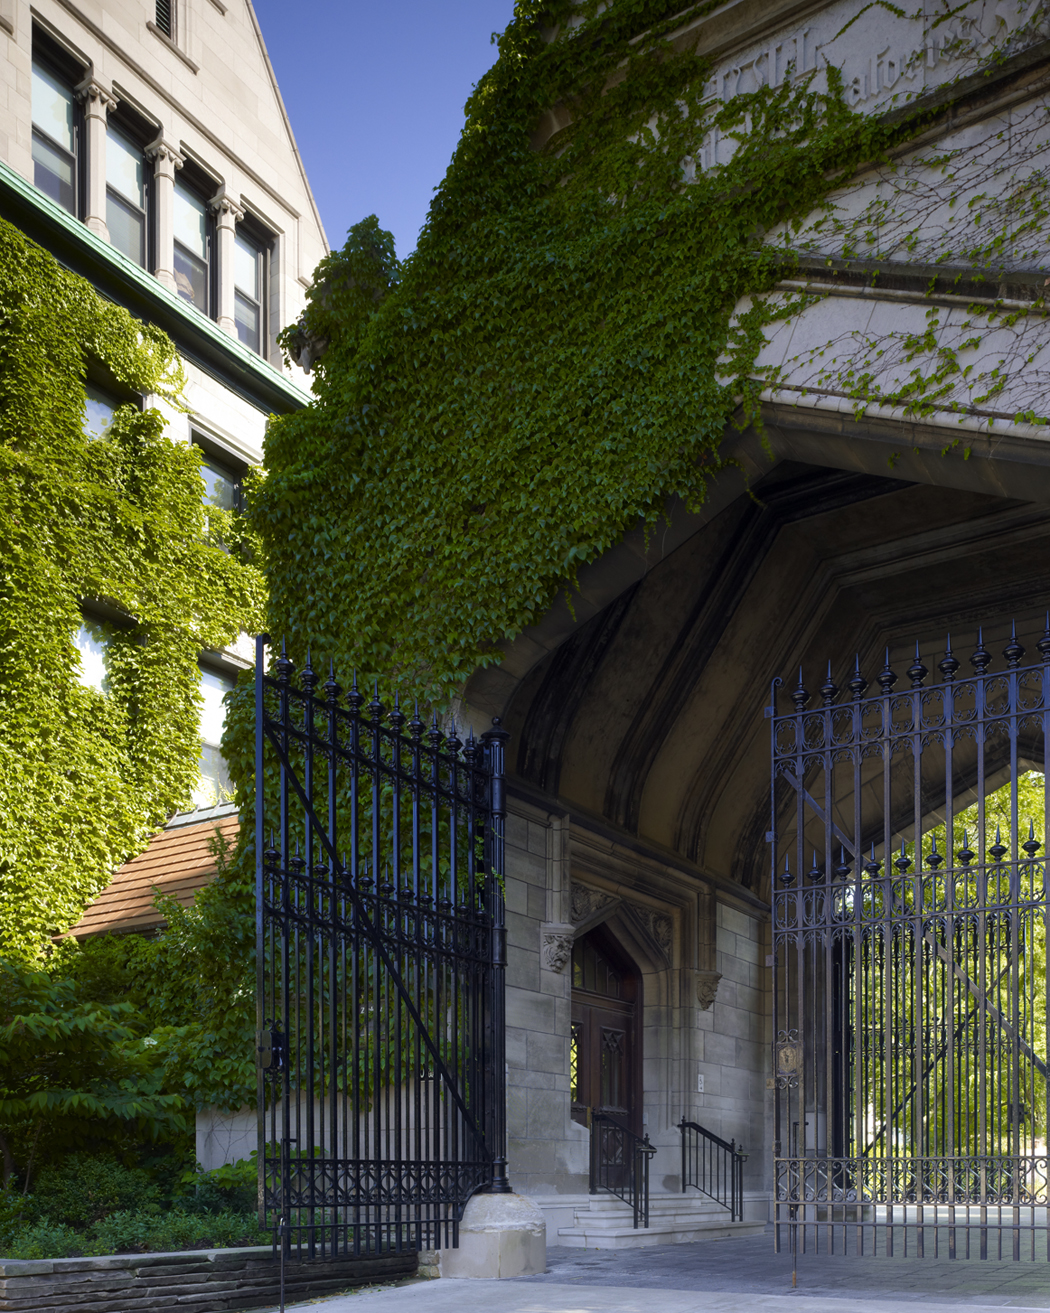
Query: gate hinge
{"x":771,"y":836}
{"x":769,"y":712}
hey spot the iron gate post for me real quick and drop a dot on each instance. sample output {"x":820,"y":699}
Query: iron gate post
{"x":494,"y":743}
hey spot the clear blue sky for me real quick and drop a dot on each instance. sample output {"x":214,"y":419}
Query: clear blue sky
{"x":375,"y":92}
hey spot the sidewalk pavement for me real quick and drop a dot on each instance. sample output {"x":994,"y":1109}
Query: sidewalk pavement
{"x":445,"y":1296}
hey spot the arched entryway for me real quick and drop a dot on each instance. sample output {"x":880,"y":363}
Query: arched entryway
{"x":606,"y":1066}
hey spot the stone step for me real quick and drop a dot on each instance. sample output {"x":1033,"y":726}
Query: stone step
{"x":660,"y":1233}
{"x":606,"y":1222}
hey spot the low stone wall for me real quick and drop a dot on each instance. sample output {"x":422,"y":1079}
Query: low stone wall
{"x":206,"y":1280}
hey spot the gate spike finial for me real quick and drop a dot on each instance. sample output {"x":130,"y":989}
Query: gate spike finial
{"x":949,"y":663}
{"x":886,"y":677}
{"x":397,"y":716}
{"x":1044,"y":643}
{"x":844,"y":867}
{"x":355,"y":697}
{"x":415,"y":725}
{"x":828,"y":689}
{"x":308,"y":678}
{"x":856,"y":683}
{"x":284,"y":665}
{"x":800,"y":697}
{"x":903,"y":862}
{"x":1031,"y":845}
{"x":917,"y":672}
{"x":375,"y":707}
{"x":330,"y":688}
{"x":981,"y":658}
{"x":815,"y":873}
{"x":998,"y":849}
{"x":934,"y":859}
{"x":786,"y":877}
{"x":873,"y":867}
{"x":965,"y":853}
{"x":1013,"y":651}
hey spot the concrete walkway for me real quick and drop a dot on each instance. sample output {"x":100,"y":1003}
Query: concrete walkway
{"x":521,"y":1297}
{"x":726,"y":1276}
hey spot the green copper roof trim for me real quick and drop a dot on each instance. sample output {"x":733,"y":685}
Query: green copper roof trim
{"x":201,"y":341}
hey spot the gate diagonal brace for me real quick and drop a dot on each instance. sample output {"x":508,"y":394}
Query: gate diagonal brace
{"x":796,"y":783}
{"x":329,"y":848}
{"x":982,"y":998}
{"x":984,"y":1002}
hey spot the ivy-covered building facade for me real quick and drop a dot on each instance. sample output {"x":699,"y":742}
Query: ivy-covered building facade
{"x":160,"y":232}
{"x":726,"y":346}
{"x":883,"y":490}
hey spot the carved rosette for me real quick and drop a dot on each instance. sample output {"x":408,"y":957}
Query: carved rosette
{"x":556,"y":945}
{"x":707,"y":988}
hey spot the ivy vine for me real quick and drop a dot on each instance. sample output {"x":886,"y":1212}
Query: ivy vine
{"x":559,"y":357}
{"x":115,"y":520}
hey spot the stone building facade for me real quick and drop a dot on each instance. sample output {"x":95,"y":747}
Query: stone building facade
{"x":146,"y":146}
{"x":851,"y":525}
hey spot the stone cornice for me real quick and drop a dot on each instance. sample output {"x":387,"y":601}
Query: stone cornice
{"x":201,"y":341}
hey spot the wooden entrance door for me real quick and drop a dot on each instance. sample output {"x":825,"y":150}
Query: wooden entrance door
{"x":605,"y":1066}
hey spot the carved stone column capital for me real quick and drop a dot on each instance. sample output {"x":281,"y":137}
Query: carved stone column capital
{"x":227,"y":211}
{"x":97,"y":101}
{"x":556,"y":944}
{"x":164,"y":155}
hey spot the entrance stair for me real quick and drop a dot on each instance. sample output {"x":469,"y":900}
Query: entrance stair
{"x":605,"y":1222}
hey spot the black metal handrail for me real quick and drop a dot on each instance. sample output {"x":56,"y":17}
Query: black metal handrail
{"x":620,"y":1164}
{"x":713,"y":1166}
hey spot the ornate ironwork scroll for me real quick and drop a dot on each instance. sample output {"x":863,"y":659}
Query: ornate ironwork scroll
{"x":381,"y":951}
{"x":910,"y":961}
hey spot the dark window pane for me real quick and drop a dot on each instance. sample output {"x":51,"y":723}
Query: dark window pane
{"x":247,"y":316}
{"x":191,"y":278}
{"x":53,"y":173}
{"x":127,"y":228}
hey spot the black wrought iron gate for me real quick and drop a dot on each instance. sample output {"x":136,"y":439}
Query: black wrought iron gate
{"x":910,"y":916}
{"x":381,"y":948}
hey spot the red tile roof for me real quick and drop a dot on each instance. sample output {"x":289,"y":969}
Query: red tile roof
{"x":178,"y":862}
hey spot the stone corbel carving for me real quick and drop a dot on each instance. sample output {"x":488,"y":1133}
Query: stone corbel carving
{"x":556,"y":944}
{"x":590,"y":907}
{"x":707,"y":988}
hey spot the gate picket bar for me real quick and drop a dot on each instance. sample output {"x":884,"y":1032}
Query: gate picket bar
{"x":911,"y":1007}
{"x":381,"y":955}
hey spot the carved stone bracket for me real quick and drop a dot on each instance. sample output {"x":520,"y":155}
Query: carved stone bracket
{"x":556,"y":944}
{"x":707,"y":988}
{"x":590,"y":907}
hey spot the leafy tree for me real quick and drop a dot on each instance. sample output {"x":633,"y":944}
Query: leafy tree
{"x":72,"y":1071}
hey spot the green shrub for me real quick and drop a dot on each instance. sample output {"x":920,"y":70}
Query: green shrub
{"x":135,"y":1233}
{"x":85,"y":1188}
{"x":230,"y":1188}
{"x":44,"y":1240}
